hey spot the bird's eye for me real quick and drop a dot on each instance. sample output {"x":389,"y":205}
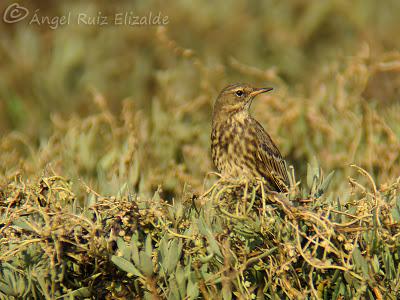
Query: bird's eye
{"x":239,"y":93}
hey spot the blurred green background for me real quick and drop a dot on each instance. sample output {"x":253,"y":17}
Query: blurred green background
{"x":114,"y":104}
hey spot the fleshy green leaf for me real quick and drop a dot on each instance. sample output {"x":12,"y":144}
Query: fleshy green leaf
{"x":126,"y":266}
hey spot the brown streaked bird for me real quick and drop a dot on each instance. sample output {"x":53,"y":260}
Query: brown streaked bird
{"x":240,"y":146}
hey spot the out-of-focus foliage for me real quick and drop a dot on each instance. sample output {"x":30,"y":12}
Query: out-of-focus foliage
{"x":104,"y":151}
{"x":333,"y":64}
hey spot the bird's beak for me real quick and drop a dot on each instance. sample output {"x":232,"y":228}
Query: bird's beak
{"x":259,"y":91}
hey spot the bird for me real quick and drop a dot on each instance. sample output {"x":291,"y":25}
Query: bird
{"x":240,"y":147}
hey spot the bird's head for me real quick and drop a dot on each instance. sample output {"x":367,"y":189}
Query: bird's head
{"x":236,"y":98}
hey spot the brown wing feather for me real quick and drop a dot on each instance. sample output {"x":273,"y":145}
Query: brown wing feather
{"x":272,"y":162}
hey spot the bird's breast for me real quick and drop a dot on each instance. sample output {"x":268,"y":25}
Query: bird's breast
{"x":230,"y":144}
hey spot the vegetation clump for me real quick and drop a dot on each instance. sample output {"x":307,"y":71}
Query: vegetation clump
{"x":235,"y":240}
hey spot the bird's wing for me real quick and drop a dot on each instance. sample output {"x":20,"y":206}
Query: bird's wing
{"x":272,"y":163}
